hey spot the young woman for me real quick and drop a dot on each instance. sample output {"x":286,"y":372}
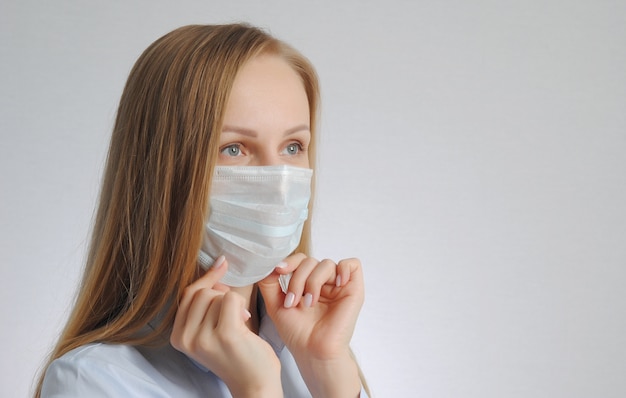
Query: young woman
{"x":198,"y":281}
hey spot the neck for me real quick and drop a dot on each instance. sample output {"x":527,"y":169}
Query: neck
{"x":249,"y":293}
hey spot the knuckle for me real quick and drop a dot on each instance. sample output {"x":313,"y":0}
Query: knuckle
{"x":299,"y":255}
{"x":353,"y":261}
{"x":233,"y":297}
{"x":204,"y":294}
{"x":229,"y":299}
{"x":328,"y":263}
{"x":188,"y":291}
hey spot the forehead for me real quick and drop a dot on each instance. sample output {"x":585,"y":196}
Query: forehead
{"x":265,"y":72}
{"x":268,"y":86}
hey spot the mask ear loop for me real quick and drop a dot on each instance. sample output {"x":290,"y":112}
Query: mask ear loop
{"x":283,"y":280}
{"x":205,"y":260}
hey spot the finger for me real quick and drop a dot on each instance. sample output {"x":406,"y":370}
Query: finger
{"x":190,"y":318}
{"x":347,"y":270}
{"x":233,"y":313}
{"x":298,"y":280}
{"x":208,"y":280}
{"x":213,"y":274}
{"x":324,"y":273}
{"x":350,"y":277}
{"x":272,"y":293}
{"x":289,"y":264}
{"x":211,"y":316}
{"x":219,"y":286}
{"x":200,"y":307}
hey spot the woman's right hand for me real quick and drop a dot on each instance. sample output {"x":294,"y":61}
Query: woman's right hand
{"x":210,"y":327}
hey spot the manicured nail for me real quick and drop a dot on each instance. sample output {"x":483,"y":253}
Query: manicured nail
{"x":338,"y":281}
{"x":246,"y":315}
{"x":289,"y":299}
{"x":308,"y":300}
{"x":282,"y":264}
{"x":219,"y":262}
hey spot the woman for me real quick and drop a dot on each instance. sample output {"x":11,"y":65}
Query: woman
{"x":198,"y":281}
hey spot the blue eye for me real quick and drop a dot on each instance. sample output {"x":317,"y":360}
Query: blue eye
{"x":293,"y":148}
{"x":231,"y":150}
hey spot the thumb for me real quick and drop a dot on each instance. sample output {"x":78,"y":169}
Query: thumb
{"x":272,"y":293}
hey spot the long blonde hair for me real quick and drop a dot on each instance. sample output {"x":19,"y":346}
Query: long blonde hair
{"x":155,"y":193}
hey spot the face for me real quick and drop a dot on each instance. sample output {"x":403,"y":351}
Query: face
{"x":267,"y":117}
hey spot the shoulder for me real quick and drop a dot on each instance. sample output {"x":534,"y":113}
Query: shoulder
{"x":109,"y":356}
{"x":99,"y":370}
{"x":118,"y":370}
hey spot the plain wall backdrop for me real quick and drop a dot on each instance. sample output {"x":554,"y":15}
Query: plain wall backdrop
{"x":473,"y":156}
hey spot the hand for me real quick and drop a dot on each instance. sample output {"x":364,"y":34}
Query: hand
{"x":210,"y":328}
{"x":316,"y":319}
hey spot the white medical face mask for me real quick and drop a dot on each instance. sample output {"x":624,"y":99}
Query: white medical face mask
{"x":256,"y":219}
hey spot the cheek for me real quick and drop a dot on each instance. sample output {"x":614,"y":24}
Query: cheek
{"x":299,"y":161}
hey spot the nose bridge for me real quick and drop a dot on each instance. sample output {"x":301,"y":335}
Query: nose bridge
{"x":270,"y":160}
{"x":267,"y":155}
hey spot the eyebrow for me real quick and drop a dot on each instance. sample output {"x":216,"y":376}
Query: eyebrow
{"x":252,"y":133}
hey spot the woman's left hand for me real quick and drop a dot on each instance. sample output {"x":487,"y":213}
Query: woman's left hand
{"x":316,"y":319}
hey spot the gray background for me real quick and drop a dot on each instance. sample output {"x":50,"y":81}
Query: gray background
{"x":472,"y":155}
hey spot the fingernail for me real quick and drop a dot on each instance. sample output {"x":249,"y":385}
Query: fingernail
{"x":308,"y":299}
{"x":246,"y":315}
{"x":282,"y":264}
{"x":219,"y":262}
{"x":338,"y":281}
{"x":289,"y":299}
